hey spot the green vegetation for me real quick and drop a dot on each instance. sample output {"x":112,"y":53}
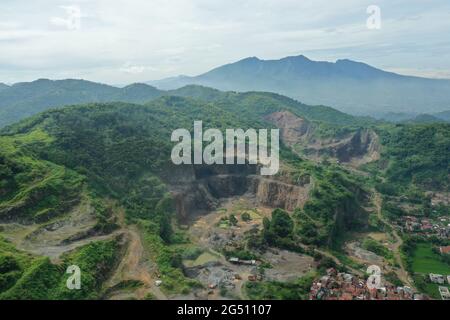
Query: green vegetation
{"x":425,"y":260}
{"x":417,"y":154}
{"x":377,"y":248}
{"x":31,"y":188}
{"x":281,"y":226}
{"x":335,"y":206}
{"x":32,"y":278}
{"x":272,"y":290}
{"x":421,"y":260}
{"x":168,"y":257}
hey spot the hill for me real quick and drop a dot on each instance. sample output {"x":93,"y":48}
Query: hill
{"x":28,"y":98}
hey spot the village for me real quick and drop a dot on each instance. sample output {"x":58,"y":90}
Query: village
{"x":345,"y":286}
{"x":426,"y":227}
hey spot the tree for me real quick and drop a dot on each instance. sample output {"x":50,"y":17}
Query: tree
{"x":281,"y":224}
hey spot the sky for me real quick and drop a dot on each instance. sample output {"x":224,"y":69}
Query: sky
{"x":125,"y":41}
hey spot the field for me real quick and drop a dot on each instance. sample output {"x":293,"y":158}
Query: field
{"x":426,"y":261}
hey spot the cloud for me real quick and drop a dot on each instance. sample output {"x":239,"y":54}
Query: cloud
{"x":137,"y":40}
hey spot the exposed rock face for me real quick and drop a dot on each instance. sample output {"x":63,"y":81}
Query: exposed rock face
{"x":209,"y":184}
{"x":277,"y":194}
{"x":361,"y":146}
{"x":293,"y":129}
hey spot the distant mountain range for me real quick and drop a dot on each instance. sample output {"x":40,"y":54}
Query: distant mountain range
{"x":417,"y":118}
{"x":349,"y":86}
{"x":22,"y":100}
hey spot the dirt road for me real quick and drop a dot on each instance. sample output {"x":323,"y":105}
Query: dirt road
{"x":401,"y":272}
{"x":135,"y":265}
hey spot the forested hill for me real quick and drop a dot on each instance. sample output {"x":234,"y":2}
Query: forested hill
{"x":25,"y":99}
{"x":417,"y":154}
{"x":22,"y":100}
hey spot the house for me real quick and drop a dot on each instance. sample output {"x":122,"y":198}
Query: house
{"x":445,"y":293}
{"x":448,"y":279}
{"x":437,"y":278}
{"x":444,"y":250}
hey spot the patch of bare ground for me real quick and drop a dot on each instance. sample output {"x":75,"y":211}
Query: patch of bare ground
{"x":286,"y":265}
{"x":58,"y":236}
{"x":135,"y":267}
{"x":210,"y":233}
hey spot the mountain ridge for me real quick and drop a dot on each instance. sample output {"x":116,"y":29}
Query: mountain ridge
{"x":350,"y":86}
{"x":28,"y":98}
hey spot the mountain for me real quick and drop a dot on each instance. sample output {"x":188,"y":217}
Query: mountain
{"x":416,"y":118}
{"x":352,"y":87}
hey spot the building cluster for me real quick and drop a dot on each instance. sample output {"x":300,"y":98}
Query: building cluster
{"x":345,"y":286}
{"x":439,"y":226}
{"x":441,"y":280}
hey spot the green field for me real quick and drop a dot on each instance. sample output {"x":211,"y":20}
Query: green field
{"x":426,"y":261}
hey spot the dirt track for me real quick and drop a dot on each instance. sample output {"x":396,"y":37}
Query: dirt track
{"x":401,"y":273}
{"x":134,"y":265}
